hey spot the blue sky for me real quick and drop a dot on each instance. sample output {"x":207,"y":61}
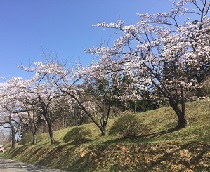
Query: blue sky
{"x":60,"y":27}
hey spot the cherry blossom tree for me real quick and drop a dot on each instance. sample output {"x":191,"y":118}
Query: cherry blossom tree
{"x":10,"y":104}
{"x":53,"y":81}
{"x":102,"y":87}
{"x":44,"y":90}
{"x":165,"y":52}
{"x":34,"y":99}
{"x":32,"y":119}
{"x":69,"y":87}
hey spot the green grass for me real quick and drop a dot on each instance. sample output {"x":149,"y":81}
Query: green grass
{"x":159,"y":147}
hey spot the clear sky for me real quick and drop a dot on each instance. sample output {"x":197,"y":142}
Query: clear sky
{"x":60,"y":27}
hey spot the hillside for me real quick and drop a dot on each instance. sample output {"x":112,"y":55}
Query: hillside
{"x":159,"y":147}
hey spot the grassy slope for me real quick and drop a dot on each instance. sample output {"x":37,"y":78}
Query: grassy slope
{"x":158,"y":147}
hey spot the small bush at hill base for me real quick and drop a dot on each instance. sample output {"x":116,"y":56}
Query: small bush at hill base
{"x":127,"y":126}
{"x":78,"y":135}
{"x":27,"y":138}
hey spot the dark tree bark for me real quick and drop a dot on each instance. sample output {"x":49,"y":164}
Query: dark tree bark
{"x":34,"y":141}
{"x":13,"y":136}
{"x":102,"y":124}
{"x":50,"y":128}
{"x":48,"y":120}
{"x":180,"y":112}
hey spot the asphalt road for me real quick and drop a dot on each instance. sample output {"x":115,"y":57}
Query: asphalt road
{"x":14,"y":166}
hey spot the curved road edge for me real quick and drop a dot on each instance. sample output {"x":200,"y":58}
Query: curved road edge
{"x":8,"y":165}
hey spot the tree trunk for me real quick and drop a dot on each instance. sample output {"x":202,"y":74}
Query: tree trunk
{"x":182,"y":117}
{"x":13,"y":136}
{"x":34,"y":141}
{"x":34,"y":131}
{"x":50,"y":130}
{"x":182,"y":121}
{"x":103,"y":130}
{"x":102,"y":127}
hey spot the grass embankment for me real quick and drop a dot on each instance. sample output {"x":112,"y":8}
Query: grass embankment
{"x":157,"y":148}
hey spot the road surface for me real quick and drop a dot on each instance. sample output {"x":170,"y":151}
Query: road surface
{"x":14,"y":166}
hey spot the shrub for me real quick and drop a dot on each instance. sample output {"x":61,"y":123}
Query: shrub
{"x":127,"y":126}
{"x":27,"y":138}
{"x":79,"y":134}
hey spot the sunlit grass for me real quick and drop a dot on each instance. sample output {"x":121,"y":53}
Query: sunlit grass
{"x":158,"y":146}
